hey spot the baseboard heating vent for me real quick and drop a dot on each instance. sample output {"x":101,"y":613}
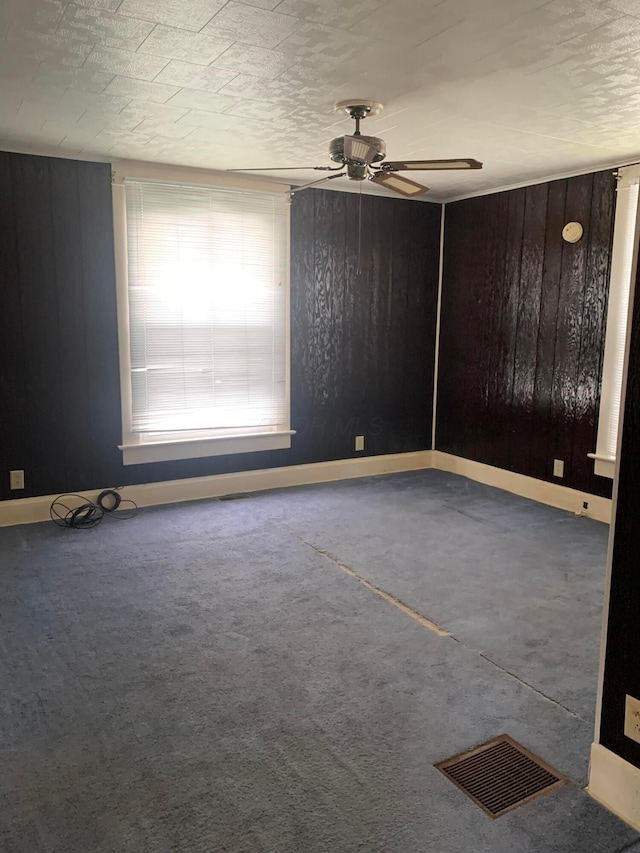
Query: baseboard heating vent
{"x":501,"y":775}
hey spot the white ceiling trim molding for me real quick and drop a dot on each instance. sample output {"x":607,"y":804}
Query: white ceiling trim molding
{"x":614,"y":164}
{"x":52,"y":151}
{"x":205,"y":175}
{"x":145,"y":170}
{"x":348,"y":186}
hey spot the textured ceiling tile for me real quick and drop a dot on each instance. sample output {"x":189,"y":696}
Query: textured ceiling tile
{"x":95,"y":122}
{"x":406,"y":23}
{"x":17,"y":66}
{"x":174,"y":43}
{"x":261,"y":4}
{"x":318,"y":40}
{"x":309,"y":69}
{"x":34,"y":92}
{"x":617,"y":38}
{"x":87,"y":79}
{"x":530,"y":87}
{"x":104,"y":140}
{"x":214,"y":136}
{"x":194,"y":99}
{"x":47,"y":46}
{"x":259,"y":89}
{"x":72,"y":132}
{"x":40,"y":15}
{"x":258,"y":110}
{"x":106,"y":5}
{"x":51,"y":135}
{"x":167,"y":130}
{"x":141,"y":66}
{"x":9,"y":105}
{"x":629,"y":7}
{"x":69,"y":113}
{"x":258,"y":27}
{"x":157,"y":93}
{"x":559,"y":21}
{"x":93,"y":101}
{"x":188,"y":75}
{"x":329,"y":12}
{"x":497,"y":13}
{"x":105,"y":28}
{"x":27,"y":123}
{"x":217,"y":121}
{"x":527,"y":59}
{"x":140,"y":110}
{"x":256,"y":61}
{"x":191,"y":15}
{"x":459,"y":45}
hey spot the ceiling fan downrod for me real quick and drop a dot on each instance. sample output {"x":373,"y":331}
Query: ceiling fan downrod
{"x":357,"y":113}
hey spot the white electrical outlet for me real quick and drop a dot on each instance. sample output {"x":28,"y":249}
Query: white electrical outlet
{"x":558,"y":468}
{"x":16,"y":479}
{"x":632,"y":718}
{"x":359,"y":442}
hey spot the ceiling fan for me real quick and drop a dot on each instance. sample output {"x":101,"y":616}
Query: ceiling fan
{"x":361,"y":157}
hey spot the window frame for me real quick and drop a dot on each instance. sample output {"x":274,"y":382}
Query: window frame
{"x":606,"y":465}
{"x":142,"y":448}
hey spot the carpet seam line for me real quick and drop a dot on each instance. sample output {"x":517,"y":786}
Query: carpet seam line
{"x":522,"y":681}
{"x":381,"y":593}
{"x":431,"y":625}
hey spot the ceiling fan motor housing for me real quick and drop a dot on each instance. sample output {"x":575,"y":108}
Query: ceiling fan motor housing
{"x":336,"y":149}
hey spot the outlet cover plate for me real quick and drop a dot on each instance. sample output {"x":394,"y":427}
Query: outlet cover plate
{"x":16,"y":480}
{"x":632,"y":718}
{"x":359,"y":442}
{"x":558,"y":468}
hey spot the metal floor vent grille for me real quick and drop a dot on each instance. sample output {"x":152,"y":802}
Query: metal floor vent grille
{"x":501,"y":775}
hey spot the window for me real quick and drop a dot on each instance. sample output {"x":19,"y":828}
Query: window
{"x":623,"y":263}
{"x":203,"y":307}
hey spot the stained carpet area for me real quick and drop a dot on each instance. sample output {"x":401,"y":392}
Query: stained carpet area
{"x":207,"y":677}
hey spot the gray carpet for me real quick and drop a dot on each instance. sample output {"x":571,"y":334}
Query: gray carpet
{"x":204,"y":678}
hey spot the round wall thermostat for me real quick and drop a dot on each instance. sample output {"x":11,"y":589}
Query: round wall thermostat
{"x":572,"y":232}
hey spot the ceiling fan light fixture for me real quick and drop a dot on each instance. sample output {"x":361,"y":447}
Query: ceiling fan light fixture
{"x":399,"y":184}
{"x":358,"y":149}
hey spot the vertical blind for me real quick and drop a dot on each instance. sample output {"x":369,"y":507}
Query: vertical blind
{"x":207,"y":292}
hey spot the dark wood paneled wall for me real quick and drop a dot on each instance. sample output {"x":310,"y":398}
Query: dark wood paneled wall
{"x":522,"y":328}
{"x":622,"y":657}
{"x":362,"y":345}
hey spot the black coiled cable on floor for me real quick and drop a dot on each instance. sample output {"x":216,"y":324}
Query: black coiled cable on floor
{"x":88,"y":513}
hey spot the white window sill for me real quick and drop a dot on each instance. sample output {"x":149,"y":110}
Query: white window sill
{"x":194,"y":448}
{"x":604,"y":466}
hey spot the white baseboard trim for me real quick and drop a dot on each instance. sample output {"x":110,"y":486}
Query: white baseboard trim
{"x":615,"y":784}
{"x":551,"y":494}
{"x":29,"y":510}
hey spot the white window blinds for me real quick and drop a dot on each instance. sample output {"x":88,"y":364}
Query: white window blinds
{"x":622,"y":265}
{"x":207,"y":306}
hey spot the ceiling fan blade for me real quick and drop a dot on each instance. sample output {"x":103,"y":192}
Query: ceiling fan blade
{"x":289,"y":169}
{"x":428,"y":165}
{"x":399,"y":184}
{"x":295,"y":190}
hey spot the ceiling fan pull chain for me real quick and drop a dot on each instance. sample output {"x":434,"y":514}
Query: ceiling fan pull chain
{"x":358,"y":268}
